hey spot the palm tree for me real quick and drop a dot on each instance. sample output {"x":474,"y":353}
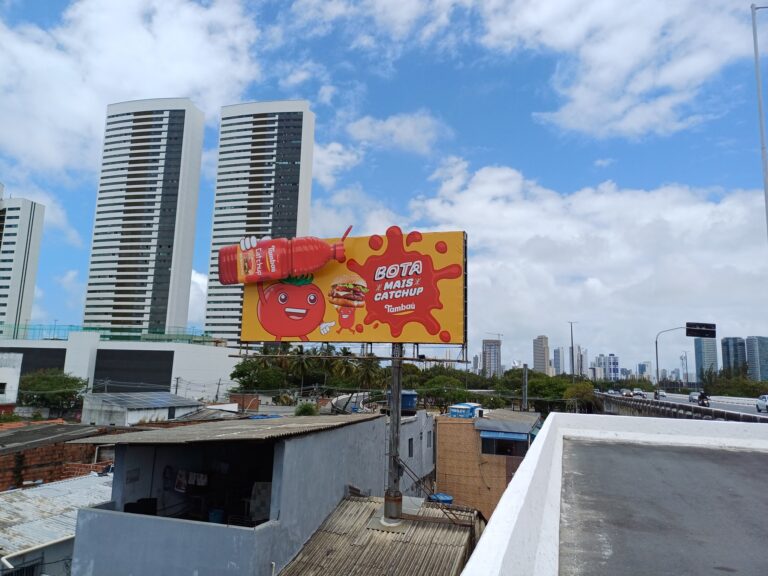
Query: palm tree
{"x":369,"y":373}
{"x":300,"y":364}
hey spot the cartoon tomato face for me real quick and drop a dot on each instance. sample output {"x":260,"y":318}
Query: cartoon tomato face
{"x":346,"y":316}
{"x":291,"y":310}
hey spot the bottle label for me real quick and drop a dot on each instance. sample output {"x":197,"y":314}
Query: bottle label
{"x":258,"y":264}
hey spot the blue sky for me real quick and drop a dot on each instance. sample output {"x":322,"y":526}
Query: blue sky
{"x":603,"y":157}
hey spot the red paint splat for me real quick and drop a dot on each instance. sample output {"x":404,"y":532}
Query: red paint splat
{"x":411,"y":295}
{"x":375,"y":324}
{"x":412,"y":237}
{"x":445,"y":336}
{"x":441,"y":247}
{"x":359,"y":328}
{"x":375,"y":242}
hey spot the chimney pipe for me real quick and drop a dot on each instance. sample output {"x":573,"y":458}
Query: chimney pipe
{"x":393,"y":499}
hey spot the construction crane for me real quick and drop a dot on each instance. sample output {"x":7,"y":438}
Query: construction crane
{"x":498,"y":335}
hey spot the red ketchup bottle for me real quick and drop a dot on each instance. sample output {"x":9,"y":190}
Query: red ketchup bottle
{"x":277,"y":258}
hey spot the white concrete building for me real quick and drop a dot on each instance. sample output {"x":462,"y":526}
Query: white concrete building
{"x":492,"y":358}
{"x":263,"y":188}
{"x":144,"y":229}
{"x":21,"y":228}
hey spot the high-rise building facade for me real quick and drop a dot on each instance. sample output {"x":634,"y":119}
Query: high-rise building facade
{"x":560,"y":360}
{"x":541,"y":355}
{"x":144,"y":231}
{"x":757,"y":358}
{"x":705,"y":351}
{"x":263,"y":188}
{"x":21,"y":228}
{"x":644,"y":370}
{"x":610,"y":366}
{"x":491,"y":358}
{"x":734,"y":354}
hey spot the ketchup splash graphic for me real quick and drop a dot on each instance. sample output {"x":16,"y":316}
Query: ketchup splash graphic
{"x":404,"y":284}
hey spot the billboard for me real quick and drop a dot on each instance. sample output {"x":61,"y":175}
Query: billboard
{"x":391,"y":288}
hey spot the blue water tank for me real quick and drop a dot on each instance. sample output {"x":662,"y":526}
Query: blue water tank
{"x":408,"y":399}
{"x":441,"y":498}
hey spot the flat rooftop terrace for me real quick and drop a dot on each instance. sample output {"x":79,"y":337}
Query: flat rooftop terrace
{"x":599,"y":495}
{"x":636,"y":509}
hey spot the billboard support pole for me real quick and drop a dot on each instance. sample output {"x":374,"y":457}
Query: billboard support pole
{"x":393,"y":499}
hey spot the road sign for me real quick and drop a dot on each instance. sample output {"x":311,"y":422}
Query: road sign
{"x":700,"y":330}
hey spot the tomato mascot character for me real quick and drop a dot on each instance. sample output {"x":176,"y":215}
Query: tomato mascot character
{"x":292,"y":308}
{"x":346,"y":318}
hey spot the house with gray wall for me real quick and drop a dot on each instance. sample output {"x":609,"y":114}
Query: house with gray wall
{"x":233,"y":497}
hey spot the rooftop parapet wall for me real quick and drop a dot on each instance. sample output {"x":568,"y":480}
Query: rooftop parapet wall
{"x":522,"y":536}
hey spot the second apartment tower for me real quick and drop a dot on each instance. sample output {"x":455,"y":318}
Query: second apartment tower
{"x":263,"y":188}
{"x":144,"y":230}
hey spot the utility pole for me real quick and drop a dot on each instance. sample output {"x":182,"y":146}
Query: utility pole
{"x":524,"y":403}
{"x":393,"y":498}
{"x":573,"y":365}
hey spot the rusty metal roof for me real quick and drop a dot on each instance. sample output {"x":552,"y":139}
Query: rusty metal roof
{"x":35,"y":516}
{"x":349,"y":544}
{"x":233,"y":430}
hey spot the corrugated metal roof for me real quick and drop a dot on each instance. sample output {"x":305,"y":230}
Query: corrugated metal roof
{"x":139,"y":400}
{"x":347,"y":545}
{"x":233,"y":430}
{"x":35,"y":516}
{"x":18,"y":439}
{"x":508,"y":421}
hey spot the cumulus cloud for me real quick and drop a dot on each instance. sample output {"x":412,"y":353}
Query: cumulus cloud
{"x":622,"y":70}
{"x":109,"y":52}
{"x":416,"y":132}
{"x":352,"y":206}
{"x":619,"y":261}
{"x":55,"y":218}
{"x":331,"y":159}
{"x":73,"y":289}
{"x":197,"y":292}
{"x":604,"y":162}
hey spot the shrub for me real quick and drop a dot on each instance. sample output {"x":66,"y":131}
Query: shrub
{"x":305,"y":409}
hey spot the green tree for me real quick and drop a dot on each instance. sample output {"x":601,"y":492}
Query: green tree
{"x":305,"y":409}
{"x":369,"y":373}
{"x":51,"y":388}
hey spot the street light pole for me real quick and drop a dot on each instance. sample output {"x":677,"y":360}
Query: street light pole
{"x":573,"y":365}
{"x":763,"y":155}
{"x":657,"y":349}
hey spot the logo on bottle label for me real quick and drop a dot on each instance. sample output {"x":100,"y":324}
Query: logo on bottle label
{"x":271,"y":258}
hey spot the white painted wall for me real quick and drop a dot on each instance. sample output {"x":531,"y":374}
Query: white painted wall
{"x":10,"y":370}
{"x":522,"y":536}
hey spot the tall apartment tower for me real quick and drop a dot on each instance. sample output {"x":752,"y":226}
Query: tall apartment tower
{"x":705,"y":350}
{"x":560,"y":360}
{"x":263,"y":188}
{"x":541,"y":355}
{"x":144,"y":230}
{"x":734,"y":354}
{"x":21,"y":228}
{"x":491,"y":358}
{"x":757,"y":358}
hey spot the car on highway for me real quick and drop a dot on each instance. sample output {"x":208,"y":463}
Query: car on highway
{"x":762,"y":403}
{"x":693,"y":396}
{"x":638,"y":392}
{"x":626,"y":392}
{"x":612,"y":392}
{"x":662,"y":394}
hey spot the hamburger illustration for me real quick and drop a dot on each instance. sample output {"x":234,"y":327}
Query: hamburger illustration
{"x":348,"y":290}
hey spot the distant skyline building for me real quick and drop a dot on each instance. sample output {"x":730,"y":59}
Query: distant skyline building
{"x":734,"y":351}
{"x":21,"y":229}
{"x":263,"y":188}
{"x":757,"y":358}
{"x":644,"y":370}
{"x":705,"y":352}
{"x":560,"y":360}
{"x":475,"y":364}
{"x":491,"y":358}
{"x":144,"y":231}
{"x":578,"y":355}
{"x":541,"y":355}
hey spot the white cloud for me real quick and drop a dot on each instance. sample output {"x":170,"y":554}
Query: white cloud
{"x":624,"y":70}
{"x":604,"y":162}
{"x":331,"y":159}
{"x":351,"y":206}
{"x":326,"y":94}
{"x":73,"y":289}
{"x":56,"y":83}
{"x":417,"y":132}
{"x":625,"y":263}
{"x":55,"y":218}
{"x":291,"y":75}
{"x":197,"y":293}
{"x":39,"y":313}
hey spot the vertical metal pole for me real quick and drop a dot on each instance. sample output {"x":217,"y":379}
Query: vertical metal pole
{"x":657,"y":360}
{"x":393,"y":499}
{"x":524,"y":404}
{"x":573,"y":365}
{"x":763,"y":156}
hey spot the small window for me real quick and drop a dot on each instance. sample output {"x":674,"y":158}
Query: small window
{"x":2,"y":387}
{"x":504,"y":447}
{"x":410,"y":447}
{"x":429,"y":439}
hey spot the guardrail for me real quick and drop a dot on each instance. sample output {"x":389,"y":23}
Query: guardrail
{"x":645,"y":407}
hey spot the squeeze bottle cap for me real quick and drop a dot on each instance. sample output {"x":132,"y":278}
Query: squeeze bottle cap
{"x":337,"y":250}
{"x":228,"y":264}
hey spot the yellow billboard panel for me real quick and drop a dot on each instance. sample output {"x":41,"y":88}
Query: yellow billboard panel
{"x":391,"y":288}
